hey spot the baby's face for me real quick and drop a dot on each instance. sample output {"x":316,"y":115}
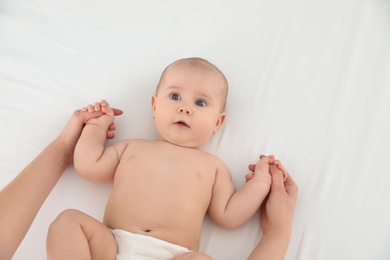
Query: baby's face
{"x":188,"y":105}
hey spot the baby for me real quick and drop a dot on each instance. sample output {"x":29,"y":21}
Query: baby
{"x":162,"y":188}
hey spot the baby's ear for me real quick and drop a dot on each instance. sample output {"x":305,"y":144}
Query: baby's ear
{"x":154,"y":97}
{"x":220,"y":121}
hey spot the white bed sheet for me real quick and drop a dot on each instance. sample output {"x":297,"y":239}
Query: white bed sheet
{"x":309,"y":82}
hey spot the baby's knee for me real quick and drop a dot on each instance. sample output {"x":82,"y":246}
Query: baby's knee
{"x":195,"y":256}
{"x":64,"y":220}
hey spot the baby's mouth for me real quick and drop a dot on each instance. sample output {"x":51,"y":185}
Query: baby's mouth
{"x":181,"y":123}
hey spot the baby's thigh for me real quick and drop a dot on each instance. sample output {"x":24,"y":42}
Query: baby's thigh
{"x":100,"y":240}
{"x":194,"y":255}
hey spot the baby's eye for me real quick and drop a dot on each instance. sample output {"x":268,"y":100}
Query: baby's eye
{"x":200,"y":103}
{"x":175,"y":96}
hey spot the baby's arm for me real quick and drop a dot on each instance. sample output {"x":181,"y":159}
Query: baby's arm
{"x":231,"y":209}
{"x":92,"y":160}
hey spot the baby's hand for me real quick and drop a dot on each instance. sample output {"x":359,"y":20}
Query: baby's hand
{"x":261,"y":170}
{"x":106,"y":119}
{"x":102,"y":105}
{"x":271,"y":161}
{"x":280,"y":167}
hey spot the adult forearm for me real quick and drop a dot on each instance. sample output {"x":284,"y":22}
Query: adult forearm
{"x":22,"y":198}
{"x":272,"y":246}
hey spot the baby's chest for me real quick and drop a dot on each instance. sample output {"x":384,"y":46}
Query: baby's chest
{"x":166,"y":169}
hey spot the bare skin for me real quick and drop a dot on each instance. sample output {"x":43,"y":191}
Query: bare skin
{"x":142,"y":182}
{"x":27,"y":192}
{"x":276,"y":217}
{"x":22,"y":198}
{"x":162,"y":188}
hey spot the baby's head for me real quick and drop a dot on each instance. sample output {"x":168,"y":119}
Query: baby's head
{"x":201,"y":66}
{"x":189,"y":103}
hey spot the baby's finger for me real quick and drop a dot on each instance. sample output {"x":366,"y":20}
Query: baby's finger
{"x":91,"y":108}
{"x":104,"y":103}
{"x":97,"y":106}
{"x":107,"y":109}
{"x":271,"y":157}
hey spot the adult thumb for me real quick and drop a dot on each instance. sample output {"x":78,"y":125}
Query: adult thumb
{"x":277,"y":179}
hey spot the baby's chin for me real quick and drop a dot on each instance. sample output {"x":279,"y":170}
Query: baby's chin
{"x":181,"y":143}
{"x":184,"y":144}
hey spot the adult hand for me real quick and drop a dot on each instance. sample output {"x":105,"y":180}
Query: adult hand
{"x":276,"y":217}
{"x":30,"y":188}
{"x":271,"y":160}
{"x":278,"y":210}
{"x":72,"y":130}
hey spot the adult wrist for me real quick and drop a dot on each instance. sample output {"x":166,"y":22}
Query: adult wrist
{"x":281,"y":233}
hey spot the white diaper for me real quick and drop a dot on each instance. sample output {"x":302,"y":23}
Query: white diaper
{"x":135,"y":246}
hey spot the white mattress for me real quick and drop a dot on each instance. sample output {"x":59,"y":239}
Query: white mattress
{"x":309,"y":82}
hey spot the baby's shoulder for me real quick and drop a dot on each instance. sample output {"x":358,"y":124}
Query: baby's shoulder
{"x":214,"y":159}
{"x":135,"y":141}
{"x":138,"y":141}
{"x":129,"y":144}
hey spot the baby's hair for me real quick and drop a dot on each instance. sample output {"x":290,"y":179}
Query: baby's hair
{"x":201,"y":63}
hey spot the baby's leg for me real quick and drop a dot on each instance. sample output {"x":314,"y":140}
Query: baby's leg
{"x":75,"y":235}
{"x":195,"y":256}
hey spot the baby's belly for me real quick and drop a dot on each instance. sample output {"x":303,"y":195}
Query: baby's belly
{"x":173,"y":218}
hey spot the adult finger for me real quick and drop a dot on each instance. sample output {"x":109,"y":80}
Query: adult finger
{"x":112,"y":127}
{"x":277,"y":179}
{"x":91,"y":108}
{"x":110,"y":134}
{"x":117,"y":111}
{"x":248,"y":177}
{"x":290,"y":186}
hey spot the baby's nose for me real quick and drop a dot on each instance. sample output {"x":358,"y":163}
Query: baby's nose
{"x":185,"y":109}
